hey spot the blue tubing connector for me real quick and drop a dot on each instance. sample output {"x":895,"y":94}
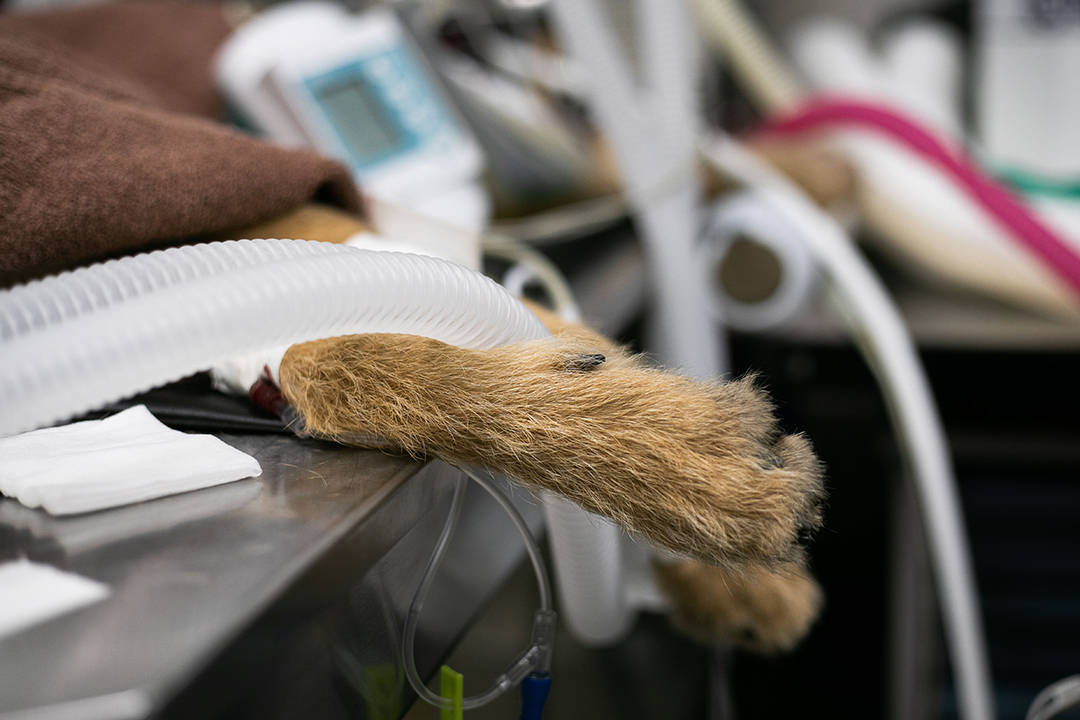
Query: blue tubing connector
{"x":534,"y":693}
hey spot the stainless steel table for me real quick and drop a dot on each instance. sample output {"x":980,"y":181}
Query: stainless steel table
{"x":281,"y":596}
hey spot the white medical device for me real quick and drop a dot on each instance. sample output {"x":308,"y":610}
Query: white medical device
{"x":354,"y":87}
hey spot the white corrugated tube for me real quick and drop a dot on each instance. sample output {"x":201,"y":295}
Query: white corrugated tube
{"x":79,"y":340}
{"x":75,"y":341}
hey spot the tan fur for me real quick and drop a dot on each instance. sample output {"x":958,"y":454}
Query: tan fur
{"x":813,"y":164}
{"x":311,"y":221}
{"x":758,"y":610}
{"x":692,"y":466}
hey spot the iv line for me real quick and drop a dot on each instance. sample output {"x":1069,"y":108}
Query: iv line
{"x":537,"y":657}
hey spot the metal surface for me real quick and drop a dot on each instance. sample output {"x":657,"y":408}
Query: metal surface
{"x":328,"y":543}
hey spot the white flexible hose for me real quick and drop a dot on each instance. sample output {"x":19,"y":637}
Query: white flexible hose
{"x":73,"y":343}
{"x":654,"y":147}
{"x":887,"y":345}
{"x":69,"y":295}
{"x":652,"y":132}
{"x":880,"y":331}
{"x":589,"y":573}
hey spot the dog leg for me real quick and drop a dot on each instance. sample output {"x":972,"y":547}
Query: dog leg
{"x":697,"y":468}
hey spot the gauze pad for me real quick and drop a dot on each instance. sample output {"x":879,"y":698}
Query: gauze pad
{"x":123,"y":459}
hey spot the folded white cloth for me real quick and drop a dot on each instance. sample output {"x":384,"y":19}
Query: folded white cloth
{"x":123,"y":459}
{"x":31,"y":593}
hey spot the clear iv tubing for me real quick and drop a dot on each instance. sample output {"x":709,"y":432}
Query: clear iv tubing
{"x":537,"y":657}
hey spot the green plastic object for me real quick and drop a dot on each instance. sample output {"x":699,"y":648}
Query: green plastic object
{"x":452,"y":688}
{"x":1032,"y":184}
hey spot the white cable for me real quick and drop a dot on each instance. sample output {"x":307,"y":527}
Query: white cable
{"x":562,"y":224}
{"x":880,"y":332}
{"x":654,"y":147}
{"x":1055,"y":699}
{"x":539,"y":268}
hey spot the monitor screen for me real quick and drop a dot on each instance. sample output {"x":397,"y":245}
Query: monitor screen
{"x":360,"y":118}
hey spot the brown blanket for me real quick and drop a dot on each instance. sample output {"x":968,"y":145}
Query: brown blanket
{"x":109,"y":139}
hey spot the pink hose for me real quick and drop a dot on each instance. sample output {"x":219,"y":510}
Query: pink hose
{"x":825,"y":113}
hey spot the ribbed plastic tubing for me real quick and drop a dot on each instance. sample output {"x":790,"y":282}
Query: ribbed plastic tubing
{"x":589,"y":573}
{"x":79,"y":340}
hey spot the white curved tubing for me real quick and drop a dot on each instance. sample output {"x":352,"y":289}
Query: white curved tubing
{"x":589,"y":573}
{"x":93,"y":347}
{"x":744,"y":215}
{"x":652,"y":131}
{"x":69,"y":295}
{"x":891,"y":353}
{"x":880,"y":331}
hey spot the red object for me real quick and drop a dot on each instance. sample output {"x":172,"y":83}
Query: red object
{"x":264,"y":394}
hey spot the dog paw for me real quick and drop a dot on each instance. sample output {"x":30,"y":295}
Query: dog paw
{"x":757,"y":610}
{"x":699,"y":469}
{"x":769,"y":485}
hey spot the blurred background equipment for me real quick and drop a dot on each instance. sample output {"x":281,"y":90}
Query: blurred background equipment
{"x":624,"y":161}
{"x":355,"y":87}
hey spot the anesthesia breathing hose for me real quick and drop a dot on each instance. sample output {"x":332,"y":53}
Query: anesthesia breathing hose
{"x":139,"y":322}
